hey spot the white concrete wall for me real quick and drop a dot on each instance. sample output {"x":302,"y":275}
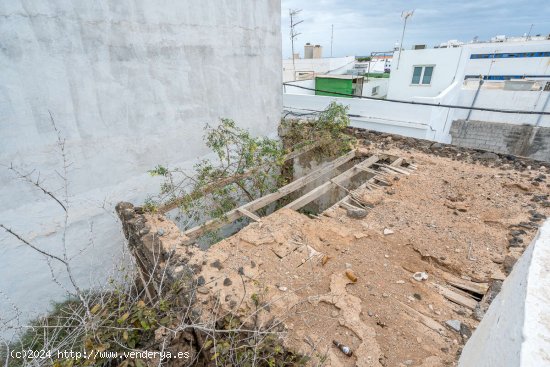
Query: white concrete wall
{"x":508,"y":66}
{"x":505,"y":99}
{"x":515,"y":331}
{"x":376,"y":115}
{"x":309,"y":83}
{"x":452,"y":64}
{"x":381,"y":83}
{"x":446,"y":69}
{"x":327,"y":65}
{"x":130,"y":85}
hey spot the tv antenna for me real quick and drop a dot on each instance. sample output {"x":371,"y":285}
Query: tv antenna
{"x":405,"y":15}
{"x":293,"y":33}
{"x":530,"y":29}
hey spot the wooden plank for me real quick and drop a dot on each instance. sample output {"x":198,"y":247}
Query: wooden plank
{"x":174,"y":203}
{"x":327,"y":186}
{"x":478,"y":288}
{"x":370,"y":183}
{"x":397,"y":162}
{"x":347,"y":205}
{"x":250,"y":215}
{"x":425,"y":320}
{"x":456,"y":298}
{"x":259,"y":203}
{"x":396,"y":169}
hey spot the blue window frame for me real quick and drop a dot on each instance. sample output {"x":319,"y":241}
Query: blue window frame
{"x":510,"y":55}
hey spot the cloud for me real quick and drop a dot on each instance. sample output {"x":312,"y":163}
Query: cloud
{"x":362,"y":26}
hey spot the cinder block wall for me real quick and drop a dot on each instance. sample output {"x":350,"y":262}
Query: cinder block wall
{"x":523,"y":140}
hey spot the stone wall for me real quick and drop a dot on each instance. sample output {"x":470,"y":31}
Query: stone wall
{"x":520,"y":140}
{"x":454,"y":152}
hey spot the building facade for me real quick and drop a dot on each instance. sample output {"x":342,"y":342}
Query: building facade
{"x":428,"y":72}
{"x":129,"y":85}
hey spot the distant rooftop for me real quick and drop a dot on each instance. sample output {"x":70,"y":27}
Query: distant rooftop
{"x":496,"y":39}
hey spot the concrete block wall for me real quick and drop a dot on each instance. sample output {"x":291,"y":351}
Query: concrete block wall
{"x":523,"y":140}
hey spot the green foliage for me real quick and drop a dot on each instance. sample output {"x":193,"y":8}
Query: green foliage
{"x":247,"y":349}
{"x":217,"y":185}
{"x":328,"y":130}
{"x":159,"y":171}
{"x":363,"y":59}
{"x":117,"y":322}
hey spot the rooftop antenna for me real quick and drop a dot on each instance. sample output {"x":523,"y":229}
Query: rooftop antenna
{"x":331,"y":39}
{"x":404,"y":15}
{"x":293,"y":33}
{"x":530,"y":29}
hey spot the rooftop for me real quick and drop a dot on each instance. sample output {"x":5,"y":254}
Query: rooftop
{"x":405,"y":285}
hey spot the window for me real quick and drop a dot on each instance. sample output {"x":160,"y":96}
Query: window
{"x":422,"y":75}
{"x":375,"y":90}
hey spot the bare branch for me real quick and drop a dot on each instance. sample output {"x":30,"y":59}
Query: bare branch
{"x":28,"y":178}
{"x":21,"y":239}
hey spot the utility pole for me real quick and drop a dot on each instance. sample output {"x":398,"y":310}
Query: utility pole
{"x":405,"y":15}
{"x":331,"y":39}
{"x":293,"y":34}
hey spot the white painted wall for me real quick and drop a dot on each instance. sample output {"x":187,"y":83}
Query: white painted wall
{"x":508,"y":66}
{"x":381,"y":83}
{"x":130,"y":85}
{"x":376,"y":115}
{"x":376,"y":66}
{"x":328,"y":65}
{"x":515,"y":331}
{"x":506,"y":99}
{"x":453,"y":64}
{"x":446,"y":70}
{"x":309,"y":83}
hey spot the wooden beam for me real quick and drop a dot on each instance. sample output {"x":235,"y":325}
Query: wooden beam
{"x":174,"y":203}
{"x":396,"y":169}
{"x":425,"y":320}
{"x":327,"y":186}
{"x":478,"y":288}
{"x":259,"y":203}
{"x":249,"y":214}
{"x":456,"y":298}
{"x":370,"y":183}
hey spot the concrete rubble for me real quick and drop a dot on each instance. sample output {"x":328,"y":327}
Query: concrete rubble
{"x":459,"y":221}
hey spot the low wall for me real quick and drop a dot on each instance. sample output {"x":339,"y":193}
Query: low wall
{"x":521,"y":140}
{"x":516,"y":329}
{"x":379,"y":115}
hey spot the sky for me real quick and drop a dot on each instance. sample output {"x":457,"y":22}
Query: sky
{"x":364,"y":26}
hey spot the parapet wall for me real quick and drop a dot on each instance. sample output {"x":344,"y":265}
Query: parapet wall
{"x":522,"y":140}
{"x":516,"y":329}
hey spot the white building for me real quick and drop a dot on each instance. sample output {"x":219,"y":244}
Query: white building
{"x":504,"y":74}
{"x":428,"y":72}
{"x":301,"y":69}
{"x":130,"y":85}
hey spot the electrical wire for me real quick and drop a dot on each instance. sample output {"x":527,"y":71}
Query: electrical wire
{"x":521,"y":112}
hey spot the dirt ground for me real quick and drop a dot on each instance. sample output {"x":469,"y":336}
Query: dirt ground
{"x":448,"y":218}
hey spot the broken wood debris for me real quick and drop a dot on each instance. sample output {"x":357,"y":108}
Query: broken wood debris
{"x":456,"y":297}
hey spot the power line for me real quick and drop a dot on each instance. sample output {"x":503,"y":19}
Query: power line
{"x":521,"y":112}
